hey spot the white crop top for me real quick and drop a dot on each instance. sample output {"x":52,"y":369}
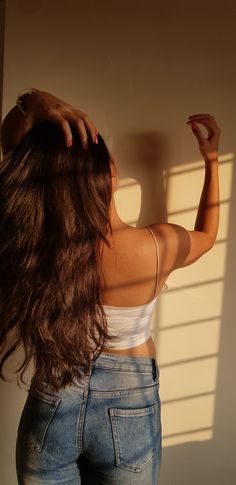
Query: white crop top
{"x":131,"y":324}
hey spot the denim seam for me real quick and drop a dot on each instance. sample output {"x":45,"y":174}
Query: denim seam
{"x":135,"y":468}
{"x":131,"y":368}
{"x":81,"y":419}
{"x":53,"y":403}
{"x":123,"y":392}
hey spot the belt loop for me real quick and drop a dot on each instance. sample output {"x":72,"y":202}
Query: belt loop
{"x":155,"y":371}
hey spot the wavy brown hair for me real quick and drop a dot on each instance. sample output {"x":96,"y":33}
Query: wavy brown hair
{"x":54,"y":218}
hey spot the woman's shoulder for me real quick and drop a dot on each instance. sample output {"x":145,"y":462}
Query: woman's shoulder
{"x":143,"y":234}
{"x":131,"y":245}
{"x":129,"y":234}
{"x":129,"y":267}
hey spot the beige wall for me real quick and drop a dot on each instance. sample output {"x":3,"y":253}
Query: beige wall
{"x":140,"y":69}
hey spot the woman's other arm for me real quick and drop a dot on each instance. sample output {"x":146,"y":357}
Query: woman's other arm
{"x":207,"y":219}
{"x":182,"y":247}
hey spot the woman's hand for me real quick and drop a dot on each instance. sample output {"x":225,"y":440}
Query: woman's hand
{"x":208,"y":146}
{"x":44,"y":106}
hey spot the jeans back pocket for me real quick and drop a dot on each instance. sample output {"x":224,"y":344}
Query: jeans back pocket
{"x":135,"y":435}
{"x":36,"y":416}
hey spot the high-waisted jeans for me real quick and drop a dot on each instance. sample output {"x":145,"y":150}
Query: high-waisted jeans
{"x":105,"y":429}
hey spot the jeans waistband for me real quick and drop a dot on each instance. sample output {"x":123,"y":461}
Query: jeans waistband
{"x":122,"y":363}
{"x":127,"y":363}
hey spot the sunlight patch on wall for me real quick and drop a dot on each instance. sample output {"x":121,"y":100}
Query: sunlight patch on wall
{"x":189,"y":313}
{"x":183,"y":304}
{"x":179,"y":424}
{"x":181,"y":381}
{"x":184,"y":184}
{"x":192,"y":341}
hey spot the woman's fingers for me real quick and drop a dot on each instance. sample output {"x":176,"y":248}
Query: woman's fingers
{"x":197,"y":132}
{"x":60,"y":121}
{"x":80,"y":126}
{"x":206,"y":120}
{"x":89,"y":125}
{"x":82,"y":123}
{"x":91,"y":128}
{"x":202,"y":115}
{"x":63,"y":120}
{"x":209,"y":145}
{"x":208,"y":125}
{"x":47,"y":106}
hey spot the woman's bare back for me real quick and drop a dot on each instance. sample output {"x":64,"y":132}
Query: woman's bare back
{"x":129,"y":271}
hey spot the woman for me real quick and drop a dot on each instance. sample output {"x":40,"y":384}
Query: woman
{"x":78,"y":289}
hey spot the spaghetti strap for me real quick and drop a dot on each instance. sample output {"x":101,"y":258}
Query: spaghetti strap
{"x":158,"y":259}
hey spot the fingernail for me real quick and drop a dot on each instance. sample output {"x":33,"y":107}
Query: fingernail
{"x":96,"y":139}
{"x":69,"y":143}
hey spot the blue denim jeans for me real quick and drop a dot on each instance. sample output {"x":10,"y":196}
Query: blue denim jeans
{"x":104,"y":429}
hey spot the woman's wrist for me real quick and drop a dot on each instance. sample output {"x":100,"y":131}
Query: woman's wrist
{"x":33,"y":106}
{"x":211,"y":158}
{"x":23,"y":97}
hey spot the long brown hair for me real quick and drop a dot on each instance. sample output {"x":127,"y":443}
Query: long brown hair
{"x":54,"y":214}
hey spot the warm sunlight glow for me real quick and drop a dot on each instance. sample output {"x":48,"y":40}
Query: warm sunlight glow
{"x":186,"y":322}
{"x":189,"y":314}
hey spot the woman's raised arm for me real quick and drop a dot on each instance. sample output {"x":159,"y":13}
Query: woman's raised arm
{"x":45,"y":106}
{"x":181,"y":247}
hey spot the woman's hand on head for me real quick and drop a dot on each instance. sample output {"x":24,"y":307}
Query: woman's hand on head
{"x":208,"y":146}
{"x":45,"y":106}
